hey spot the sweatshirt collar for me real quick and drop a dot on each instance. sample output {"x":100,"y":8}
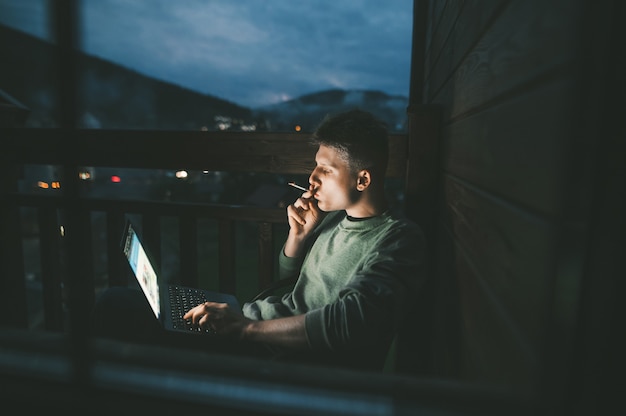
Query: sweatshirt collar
{"x":363,"y":223}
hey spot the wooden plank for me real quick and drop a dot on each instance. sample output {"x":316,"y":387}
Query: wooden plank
{"x":117,"y":269}
{"x":188,"y":243}
{"x":13,"y":306}
{"x":436,"y":11}
{"x":508,"y":56}
{"x":398,"y":148}
{"x":423,"y":167}
{"x":197,"y":151}
{"x":161,"y":208}
{"x":227,"y":254}
{"x":512,"y":250}
{"x":208,"y":252}
{"x":492,"y":349}
{"x":445,"y":352}
{"x":79,"y":283}
{"x":191,"y":150}
{"x":441,"y":41}
{"x":266,"y":255}
{"x":518,"y":150}
{"x":473,"y":18}
{"x":51,"y":279}
{"x":427,"y":40}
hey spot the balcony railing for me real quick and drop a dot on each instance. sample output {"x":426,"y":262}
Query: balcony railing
{"x":68,"y":267}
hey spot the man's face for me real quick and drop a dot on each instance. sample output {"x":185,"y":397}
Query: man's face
{"x":333,"y":182}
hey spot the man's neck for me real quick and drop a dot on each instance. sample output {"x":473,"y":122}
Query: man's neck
{"x":368,"y":209}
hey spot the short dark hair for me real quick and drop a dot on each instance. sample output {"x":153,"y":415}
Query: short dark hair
{"x":359,"y":136}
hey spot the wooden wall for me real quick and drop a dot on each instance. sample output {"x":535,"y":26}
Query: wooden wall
{"x":520,"y":83}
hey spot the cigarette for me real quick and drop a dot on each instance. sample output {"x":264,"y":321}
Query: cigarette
{"x":302,"y":188}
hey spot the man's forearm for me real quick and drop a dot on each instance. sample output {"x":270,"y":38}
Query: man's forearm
{"x":294,"y":246}
{"x":287,"y":332}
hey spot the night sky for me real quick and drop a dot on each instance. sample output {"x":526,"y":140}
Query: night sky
{"x":251,"y":52}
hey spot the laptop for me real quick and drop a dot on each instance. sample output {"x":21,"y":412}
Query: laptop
{"x":169,"y":302}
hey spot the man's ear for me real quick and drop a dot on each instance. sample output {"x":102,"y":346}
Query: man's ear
{"x":363,"y":180}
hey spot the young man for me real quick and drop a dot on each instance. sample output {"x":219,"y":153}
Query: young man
{"x":359,"y":266}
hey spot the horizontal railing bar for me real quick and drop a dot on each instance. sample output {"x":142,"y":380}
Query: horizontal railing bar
{"x":202,"y":210}
{"x":159,"y":149}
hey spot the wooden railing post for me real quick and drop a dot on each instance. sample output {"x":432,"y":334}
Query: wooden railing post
{"x":423,"y":166}
{"x":13,"y":310}
{"x":117,"y":270}
{"x":266,"y":254}
{"x":188,"y":243}
{"x":227,"y":280}
{"x":414,"y":350}
{"x":51,"y":267}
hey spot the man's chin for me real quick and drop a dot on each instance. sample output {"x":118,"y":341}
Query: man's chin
{"x":325,"y":209}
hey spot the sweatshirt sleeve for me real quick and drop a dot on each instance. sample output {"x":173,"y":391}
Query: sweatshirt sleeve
{"x":288,"y":267}
{"x":370,"y":308}
{"x":274,"y":307}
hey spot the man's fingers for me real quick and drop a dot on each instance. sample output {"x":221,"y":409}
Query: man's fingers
{"x":206,"y":311}
{"x":205,"y":322}
{"x":296,"y":214}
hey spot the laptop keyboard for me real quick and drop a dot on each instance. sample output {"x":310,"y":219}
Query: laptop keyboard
{"x":181,"y":300}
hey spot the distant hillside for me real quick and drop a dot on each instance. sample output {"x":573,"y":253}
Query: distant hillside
{"x":116,"y":97}
{"x":307,"y":111}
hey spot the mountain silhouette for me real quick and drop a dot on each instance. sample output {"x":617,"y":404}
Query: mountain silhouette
{"x":114,"y":97}
{"x":308,"y":110}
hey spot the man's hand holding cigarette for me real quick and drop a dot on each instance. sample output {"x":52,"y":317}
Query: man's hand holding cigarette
{"x":303,"y":216}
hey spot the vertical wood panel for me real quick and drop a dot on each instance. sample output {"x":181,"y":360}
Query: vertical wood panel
{"x":473,"y":19}
{"x":13,"y":311}
{"x":266,"y":254}
{"x":513,"y":251}
{"x":51,"y":279}
{"x":117,"y":269}
{"x":493,"y":351}
{"x":188,"y":242}
{"x":227,"y":256}
{"x":423,"y":167}
{"x":519,"y":149}
{"x":507,"y":79}
{"x":441,"y":48}
{"x":437,"y":8}
{"x":504,"y":59}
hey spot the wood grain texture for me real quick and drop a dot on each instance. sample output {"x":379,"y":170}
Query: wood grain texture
{"x":492,"y":350}
{"x":503,"y":59}
{"x":518,"y":150}
{"x":439,"y":51}
{"x":512,"y":252}
{"x":285,"y":153}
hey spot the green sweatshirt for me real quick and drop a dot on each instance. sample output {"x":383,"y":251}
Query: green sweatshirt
{"x":354,"y":284}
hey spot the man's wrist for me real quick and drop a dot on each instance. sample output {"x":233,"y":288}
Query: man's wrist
{"x":294,"y":245}
{"x":249,"y":330}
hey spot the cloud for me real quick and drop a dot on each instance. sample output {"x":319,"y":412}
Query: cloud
{"x":251,"y":51}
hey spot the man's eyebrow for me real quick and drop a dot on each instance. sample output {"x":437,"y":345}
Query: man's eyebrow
{"x":324,"y":164}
